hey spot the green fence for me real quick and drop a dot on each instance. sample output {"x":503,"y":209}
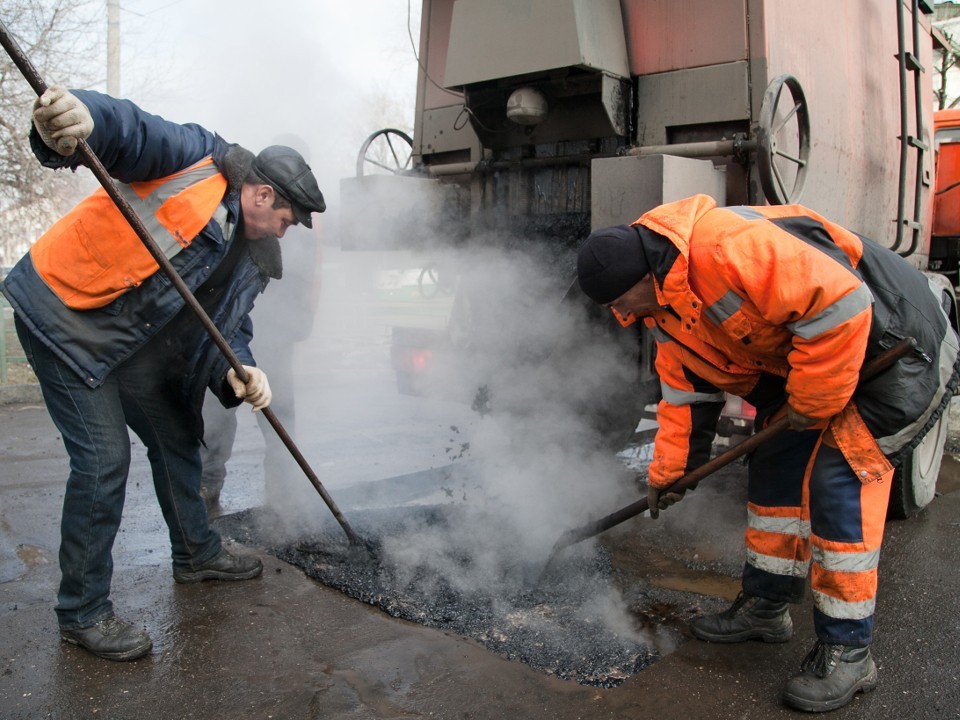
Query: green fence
{"x":10,"y":350}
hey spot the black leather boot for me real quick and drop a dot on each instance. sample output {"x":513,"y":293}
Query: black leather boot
{"x":111,"y":638}
{"x":832,"y":675}
{"x":749,"y":618}
{"x":223,"y":566}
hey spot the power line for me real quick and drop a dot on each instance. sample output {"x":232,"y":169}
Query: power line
{"x":416,"y":57}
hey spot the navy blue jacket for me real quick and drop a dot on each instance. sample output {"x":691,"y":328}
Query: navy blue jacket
{"x":134,"y":145}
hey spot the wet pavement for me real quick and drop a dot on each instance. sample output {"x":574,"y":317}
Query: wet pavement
{"x":286,"y":646}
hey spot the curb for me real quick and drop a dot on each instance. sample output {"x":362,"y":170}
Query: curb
{"x":20,"y":394}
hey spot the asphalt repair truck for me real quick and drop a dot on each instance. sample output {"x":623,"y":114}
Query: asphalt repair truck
{"x":538,"y":121}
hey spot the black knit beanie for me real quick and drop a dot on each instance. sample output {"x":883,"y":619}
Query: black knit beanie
{"x":610,"y":262}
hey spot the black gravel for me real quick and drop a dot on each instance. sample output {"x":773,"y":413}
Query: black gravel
{"x":422,"y":567}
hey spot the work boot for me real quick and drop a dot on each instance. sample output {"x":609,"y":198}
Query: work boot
{"x":223,"y":566}
{"x":832,"y":675}
{"x":111,"y":638}
{"x":749,"y":618}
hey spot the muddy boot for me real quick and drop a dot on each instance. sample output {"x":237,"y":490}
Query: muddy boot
{"x":223,"y":566}
{"x":749,"y":618}
{"x":111,"y":638}
{"x":832,"y":675}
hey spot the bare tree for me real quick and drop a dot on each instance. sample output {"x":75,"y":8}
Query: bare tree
{"x":387,"y":152}
{"x":64,"y":40}
{"x":945,"y":62}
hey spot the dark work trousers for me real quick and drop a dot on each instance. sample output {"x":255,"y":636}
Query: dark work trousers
{"x":93,"y":423}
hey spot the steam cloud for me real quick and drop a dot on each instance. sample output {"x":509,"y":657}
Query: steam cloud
{"x":512,"y":396}
{"x":537,"y":460}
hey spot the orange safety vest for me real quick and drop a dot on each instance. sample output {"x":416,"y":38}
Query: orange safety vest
{"x":91,"y":255}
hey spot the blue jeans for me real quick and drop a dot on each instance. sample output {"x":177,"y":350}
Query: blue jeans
{"x":93,"y":424}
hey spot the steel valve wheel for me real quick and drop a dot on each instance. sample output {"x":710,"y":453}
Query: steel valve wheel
{"x":387,"y":151}
{"x":783,"y":142}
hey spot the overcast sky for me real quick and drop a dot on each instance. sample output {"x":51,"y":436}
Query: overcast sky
{"x":329,"y":71}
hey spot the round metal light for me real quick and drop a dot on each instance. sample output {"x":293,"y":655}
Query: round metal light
{"x":526,"y":106}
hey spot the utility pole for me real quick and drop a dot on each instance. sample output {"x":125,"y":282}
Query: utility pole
{"x":113,"y":48}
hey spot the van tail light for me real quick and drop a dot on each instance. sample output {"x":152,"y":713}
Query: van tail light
{"x":737,"y":407}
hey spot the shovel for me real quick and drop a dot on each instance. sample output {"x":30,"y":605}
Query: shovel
{"x":93,"y":162}
{"x":870,"y":370}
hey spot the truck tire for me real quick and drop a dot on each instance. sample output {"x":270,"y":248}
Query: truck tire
{"x":915,"y":481}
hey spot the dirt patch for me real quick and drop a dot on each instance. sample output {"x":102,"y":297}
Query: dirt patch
{"x":20,"y":373}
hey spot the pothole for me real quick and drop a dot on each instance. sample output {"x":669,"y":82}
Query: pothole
{"x":576,"y":623}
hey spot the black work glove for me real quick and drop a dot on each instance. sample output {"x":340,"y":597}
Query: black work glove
{"x":796,"y":421}
{"x":662,"y":499}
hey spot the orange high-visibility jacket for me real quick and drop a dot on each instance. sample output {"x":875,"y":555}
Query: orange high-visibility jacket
{"x":755,"y":292}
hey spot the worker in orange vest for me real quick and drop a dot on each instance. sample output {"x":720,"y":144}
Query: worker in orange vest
{"x":114,"y":346}
{"x":782,"y":307}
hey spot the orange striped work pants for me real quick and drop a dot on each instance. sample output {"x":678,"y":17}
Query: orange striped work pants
{"x":808,"y":513}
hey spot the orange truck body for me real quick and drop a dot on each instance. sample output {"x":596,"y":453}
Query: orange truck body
{"x":946,"y":206}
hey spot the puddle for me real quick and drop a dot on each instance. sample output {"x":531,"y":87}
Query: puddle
{"x":949,"y":479}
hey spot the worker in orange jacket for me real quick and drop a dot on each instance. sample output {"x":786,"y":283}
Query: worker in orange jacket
{"x":114,"y":346}
{"x":782,"y":307}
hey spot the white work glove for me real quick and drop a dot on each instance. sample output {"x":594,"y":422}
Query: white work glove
{"x":61,"y":119}
{"x":256,"y":391}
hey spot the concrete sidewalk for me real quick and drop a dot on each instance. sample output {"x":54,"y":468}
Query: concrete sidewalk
{"x":20,"y":395}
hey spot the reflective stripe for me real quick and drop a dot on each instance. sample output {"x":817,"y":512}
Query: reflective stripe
{"x":148,"y":206}
{"x":781,"y":525}
{"x":688,"y":397}
{"x":725,"y":307}
{"x":747,"y":213}
{"x":660,"y":336}
{"x":846,"y":561}
{"x":92,"y":255}
{"x":836,"y":314}
{"x":777,"y":566}
{"x":832,"y":607}
{"x":220,"y":218}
